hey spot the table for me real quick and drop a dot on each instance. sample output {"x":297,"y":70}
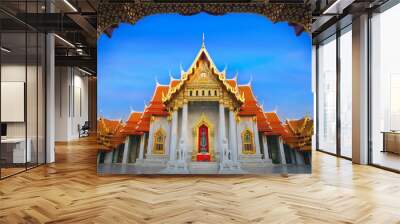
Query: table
{"x":391,"y":141}
{"x":13,"y":150}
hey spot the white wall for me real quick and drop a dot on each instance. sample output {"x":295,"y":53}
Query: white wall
{"x":33,"y":127}
{"x":16,"y":73}
{"x":160,"y":122}
{"x":12,"y":73}
{"x":71,"y":102}
{"x":80,"y":103}
{"x":61,"y":103}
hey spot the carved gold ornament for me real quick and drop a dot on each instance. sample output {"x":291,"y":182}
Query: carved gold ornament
{"x":111,"y":14}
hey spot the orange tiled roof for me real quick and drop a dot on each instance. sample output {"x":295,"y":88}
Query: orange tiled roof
{"x":109,"y":133}
{"x":250,"y":107}
{"x":109,"y":126}
{"x":232,"y":82}
{"x":262,"y":123}
{"x":144,"y":124}
{"x":174,"y":83}
{"x":130,"y":126}
{"x":301,"y":126}
{"x":300,"y":133}
{"x":276,"y":124}
{"x":155,"y":108}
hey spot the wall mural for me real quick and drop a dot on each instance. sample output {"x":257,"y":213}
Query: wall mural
{"x":253,"y":117}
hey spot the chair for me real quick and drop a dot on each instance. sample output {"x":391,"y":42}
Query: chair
{"x":84,"y":130}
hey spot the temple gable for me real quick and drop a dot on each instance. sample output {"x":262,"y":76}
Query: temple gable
{"x":203,"y":82}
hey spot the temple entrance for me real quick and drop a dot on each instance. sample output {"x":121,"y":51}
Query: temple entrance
{"x":203,"y":137}
{"x":203,"y":144}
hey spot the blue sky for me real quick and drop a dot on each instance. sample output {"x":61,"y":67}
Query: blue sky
{"x":277,"y":61}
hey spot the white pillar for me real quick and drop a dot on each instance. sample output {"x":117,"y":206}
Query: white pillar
{"x":293,"y":155}
{"x":184,"y":128}
{"x":281,"y":150}
{"x":314,"y":92}
{"x":266,"y":149}
{"x":98,"y":157}
{"x":360,"y":90}
{"x":141,"y":147}
{"x":50,"y":96}
{"x":149,"y":151}
{"x":232,"y":135}
{"x":299,"y":158}
{"x":115,"y":155}
{"x":174,"y":135}
{"x":108,"y":159}
{"x":256,"y":138}
{"x":126,"y":151}
{"x":239,"y":141}
{"x":221,"y":125}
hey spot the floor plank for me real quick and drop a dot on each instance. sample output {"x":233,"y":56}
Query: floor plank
{"x":70,"y":191}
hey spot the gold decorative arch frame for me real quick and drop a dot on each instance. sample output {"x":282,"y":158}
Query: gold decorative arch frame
{"x":162,"y":133}
{"x":203,"y":120}
{"x":111,"y":14}
{"x":253,"y":150}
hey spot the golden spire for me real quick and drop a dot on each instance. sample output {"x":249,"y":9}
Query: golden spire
{"x":202,"y":43}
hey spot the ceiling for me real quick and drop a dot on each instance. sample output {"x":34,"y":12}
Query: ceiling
{"x":331,"y":14}
{"x":73,"y":21}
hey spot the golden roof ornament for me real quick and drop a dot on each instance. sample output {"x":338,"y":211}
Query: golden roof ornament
{"x":203,"y":42}
{"x":181,"y":68}
{"x":250,"y":81}
{"x":225,"y":69}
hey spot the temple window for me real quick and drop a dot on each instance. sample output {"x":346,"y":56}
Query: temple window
{"x":190,"y":93}
{"x":159,"y":142}
{"x":215,"y":93}
{"x":202,"y":93}
{"x":247,"y":139}
{"x":197,"y":92}
{"x":209,"y":92}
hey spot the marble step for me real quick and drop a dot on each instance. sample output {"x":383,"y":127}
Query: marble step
{"x":204,"y":167}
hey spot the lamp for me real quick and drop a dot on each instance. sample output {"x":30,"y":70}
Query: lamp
{"x":5,"y":50}
{"x":84,"y":71}
{"x":64,"y":40}
{"x":70,"y":5}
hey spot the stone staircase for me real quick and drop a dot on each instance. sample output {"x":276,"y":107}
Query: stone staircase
{"x":203,"y":167}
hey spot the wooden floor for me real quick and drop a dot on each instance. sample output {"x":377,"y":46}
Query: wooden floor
{"x":387,"y":159}
{"x":5,"y":172}
{"x":70,"y":191}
